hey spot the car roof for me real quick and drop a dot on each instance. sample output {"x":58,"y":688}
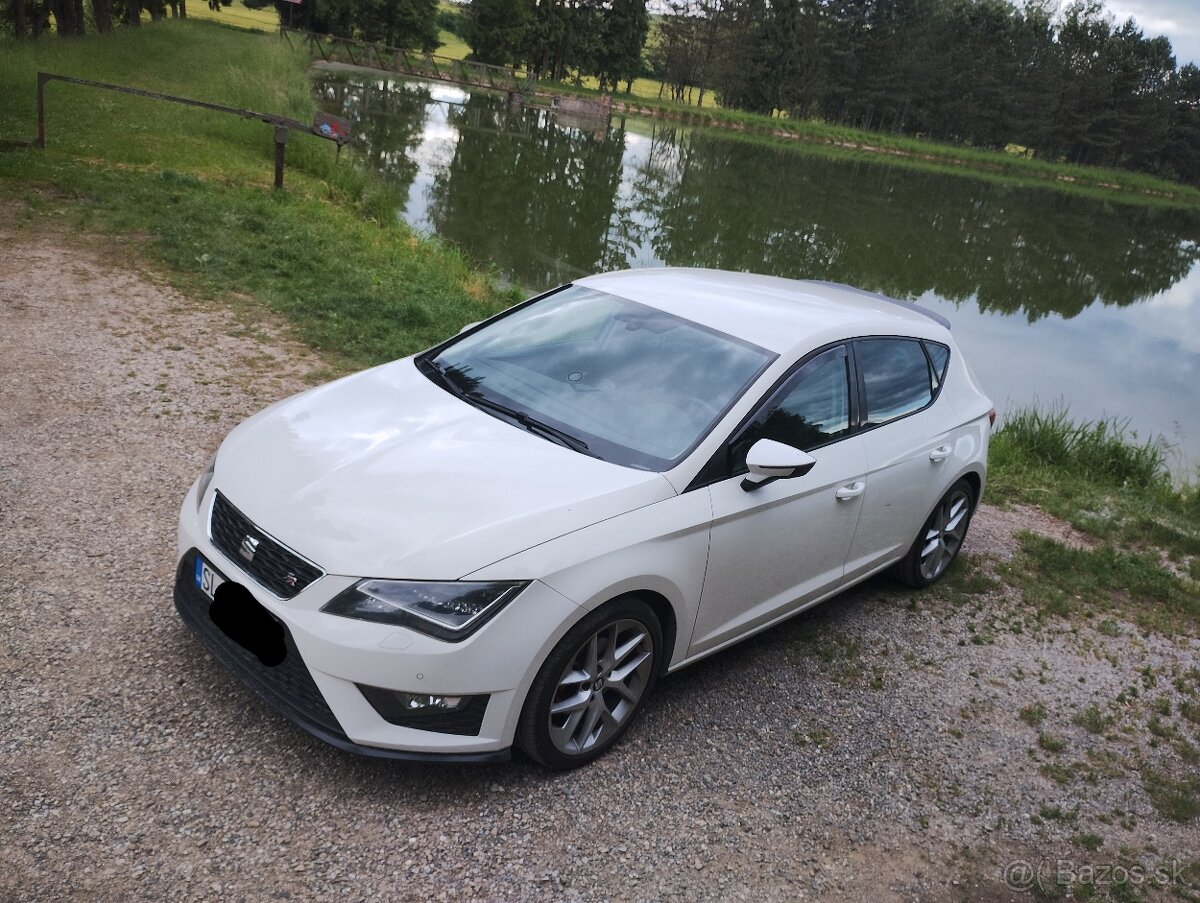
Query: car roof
{"x":775,"y":313}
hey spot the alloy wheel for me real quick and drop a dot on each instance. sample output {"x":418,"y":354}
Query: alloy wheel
{"x":601,"y":688}
{"x":944,"y":534}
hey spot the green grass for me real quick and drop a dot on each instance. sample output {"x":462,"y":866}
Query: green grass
{"x":452,"y":45}
{"x":1175,"y":798}
{"x":1100,"y":450}
{"x":238,"y":15}
{"x":1116,"y":488}
{"x":193,"y":188}
{"x":1065,"y":581}
{"x":1050,"y":743}
{"x":1093,"y":720}
{"x":1056,"y":812}
{"x":1033,"y":714}
{"x":1108,"y":483}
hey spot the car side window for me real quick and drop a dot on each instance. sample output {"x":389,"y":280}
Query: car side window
{"x":811,"y":409}
{"x":939,"y":356}
{"x":896,"y":378}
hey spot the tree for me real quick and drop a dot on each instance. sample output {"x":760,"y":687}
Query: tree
{"x":496,"y":30}
{"x":623,"y":28}
{"x":1180,"y":157}
{"x":397,"y":23}
{"x":68,"y":17}
{"x":675,"y":55}
{"x":102,"y":14}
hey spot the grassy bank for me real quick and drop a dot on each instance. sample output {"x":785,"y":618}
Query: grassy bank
{"x":238,"y":15}
{"x":1095,"y":181}
{"x":192,"y":188}
{"x":1139,"y":549}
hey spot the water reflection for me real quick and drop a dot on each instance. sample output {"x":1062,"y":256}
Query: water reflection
{"x":520,"y":190}
{"x":546,"y":200}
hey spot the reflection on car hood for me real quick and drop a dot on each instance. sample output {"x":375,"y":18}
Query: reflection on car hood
{"x":384,"y":474}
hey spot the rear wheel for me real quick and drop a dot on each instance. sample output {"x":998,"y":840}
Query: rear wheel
{"x":592,"y":685}
{"x":937,"y":545}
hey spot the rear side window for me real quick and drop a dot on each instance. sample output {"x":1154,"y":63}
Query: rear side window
{"x":896,"y":377}
{"x":939,"y":356}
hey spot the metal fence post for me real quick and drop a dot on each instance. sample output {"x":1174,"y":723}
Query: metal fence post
{"x":332,"y":128}
{"x":42,"y":78}
{"x":281,"y":136}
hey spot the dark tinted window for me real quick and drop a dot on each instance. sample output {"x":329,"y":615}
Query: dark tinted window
{"x":811,"y":409}
{"x":896,"y":376}
{"x":940,"y":355}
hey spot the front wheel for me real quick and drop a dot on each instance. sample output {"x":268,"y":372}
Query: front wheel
{"x":937,"y":545}
{"x":592,"y":685}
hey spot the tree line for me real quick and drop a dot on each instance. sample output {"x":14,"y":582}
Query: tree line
{"x":1072,"y":85}
{"x":411,"y":24}
{"x":32,"y":18}
{"x":557,"y":38}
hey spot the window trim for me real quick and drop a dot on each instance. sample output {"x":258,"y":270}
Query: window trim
{"x":935,"y":391}
{"x":940,"y":377}
{"x":716,"y":469}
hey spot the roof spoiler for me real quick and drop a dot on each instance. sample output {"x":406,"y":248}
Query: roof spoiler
{"x":907,"y":305}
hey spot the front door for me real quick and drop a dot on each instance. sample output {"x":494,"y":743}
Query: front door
{"x":777,"y":546}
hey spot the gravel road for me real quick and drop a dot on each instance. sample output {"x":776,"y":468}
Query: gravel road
{"x":869,"y":750}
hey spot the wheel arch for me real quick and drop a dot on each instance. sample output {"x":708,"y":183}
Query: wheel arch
{"x":667,"y":622}
{"x":976,"y":482}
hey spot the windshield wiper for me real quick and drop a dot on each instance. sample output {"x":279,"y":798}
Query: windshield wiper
{"x":432,"y":368}
{"x":530,"y":423}
{"x":472,"y":396}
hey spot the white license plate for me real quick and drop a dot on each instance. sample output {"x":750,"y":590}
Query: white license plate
{"x":206,"y":578}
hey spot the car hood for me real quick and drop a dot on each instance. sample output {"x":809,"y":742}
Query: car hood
{"x":385,"y":474}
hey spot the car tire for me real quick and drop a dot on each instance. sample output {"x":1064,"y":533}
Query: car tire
{"x":592,"y":685}
{"x":938,"y":543}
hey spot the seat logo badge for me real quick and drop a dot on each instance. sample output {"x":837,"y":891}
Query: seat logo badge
{"x":248,"y":547}
{"x":291,"y":580}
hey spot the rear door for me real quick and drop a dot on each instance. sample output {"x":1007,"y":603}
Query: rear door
{"x":908,"y":438}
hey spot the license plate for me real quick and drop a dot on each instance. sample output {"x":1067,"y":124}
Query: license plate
{"x":206,"y":578}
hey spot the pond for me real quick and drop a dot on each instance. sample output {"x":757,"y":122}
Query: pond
{"x":1053,"y":297}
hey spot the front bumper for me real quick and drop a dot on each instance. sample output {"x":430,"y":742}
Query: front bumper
{"x":328,"y":655}
{"x":288,"y":687}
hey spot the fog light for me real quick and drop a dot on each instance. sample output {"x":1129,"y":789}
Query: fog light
{"x":428,"y":711}
{"x":416,"y":702}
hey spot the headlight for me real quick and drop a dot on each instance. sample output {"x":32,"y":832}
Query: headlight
{"x":449,"y":611}
{"x":205,"y":479}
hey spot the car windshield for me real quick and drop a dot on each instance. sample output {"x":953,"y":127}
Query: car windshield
{"x":606,"y":376}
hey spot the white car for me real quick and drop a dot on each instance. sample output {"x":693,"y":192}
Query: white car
{"x":505,"y":540}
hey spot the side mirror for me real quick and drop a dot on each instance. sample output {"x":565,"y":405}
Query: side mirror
{"x":769,"y":460}
{"x":469,"y":326}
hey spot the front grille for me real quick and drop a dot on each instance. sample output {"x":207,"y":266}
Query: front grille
{"x":288,"y":686}
{"x":274,"y":565}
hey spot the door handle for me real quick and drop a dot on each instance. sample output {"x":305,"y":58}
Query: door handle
{"x":940,"y":454}
{"x":853,"y":491}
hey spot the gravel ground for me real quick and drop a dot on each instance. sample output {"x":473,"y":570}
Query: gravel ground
{"x":868,"y":750}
